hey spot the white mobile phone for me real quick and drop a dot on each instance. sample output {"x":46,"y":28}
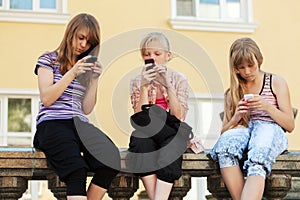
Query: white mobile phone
{"x":248,"y":96}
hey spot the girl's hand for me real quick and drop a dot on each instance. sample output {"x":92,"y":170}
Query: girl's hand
{"x":96,"y":69}
{"x":161,"y":76}
{"x":147,"y":75}
{"x":257,"y":103}
{"x":240,"y":111}
{"x":81,"y":67}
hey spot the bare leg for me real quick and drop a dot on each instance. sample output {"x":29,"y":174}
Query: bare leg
{"x":234,"y":181}
{"x":76,"y":198}
{"x":95,"y":192}
{"x":150,"y":184}
{"x":254,"y":188}
{"x":162,"y":190}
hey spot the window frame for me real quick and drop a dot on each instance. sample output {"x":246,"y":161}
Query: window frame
{"x":59,"y":15}
{"x":215,"y":25}
{"x":5,"y":94}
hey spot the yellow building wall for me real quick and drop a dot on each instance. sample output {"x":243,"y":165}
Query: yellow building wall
{"x":277,"y":35}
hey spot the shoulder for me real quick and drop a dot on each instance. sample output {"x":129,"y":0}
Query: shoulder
{"x":278,"y":83}
{"x":176,"y":75}
{"x":277,"y":78}
{"x":46,"y":60}
{"x":227,"y":96}
{"x":135,"y":80}
{"x":48,"y":57}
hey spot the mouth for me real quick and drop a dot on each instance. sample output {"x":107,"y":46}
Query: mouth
{"x":79,"y":51}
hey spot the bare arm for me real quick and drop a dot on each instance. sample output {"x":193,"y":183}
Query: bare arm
{"x":177,"y":97}
{"x":241,"y":110}
{"x":49,"y":91}
{"x":90,"y":97}
{"x":283,"y":115}
{"x":139,"y":91}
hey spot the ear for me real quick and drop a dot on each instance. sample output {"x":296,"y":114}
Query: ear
{"x":169,"y":56}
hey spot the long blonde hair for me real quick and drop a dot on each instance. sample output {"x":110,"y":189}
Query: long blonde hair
{"x":242,"y":49}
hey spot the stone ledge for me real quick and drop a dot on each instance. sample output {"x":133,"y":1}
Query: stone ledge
{"x":18,"y":165}
{"x":198,"y":165}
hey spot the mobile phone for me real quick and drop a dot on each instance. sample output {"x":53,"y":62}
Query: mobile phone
{"x":91,"y":59}
{"x":147,"y":61}
{"x":248,"y":96}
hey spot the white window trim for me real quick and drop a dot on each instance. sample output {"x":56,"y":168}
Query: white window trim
{"x":59,"y":16}
{"x":11,"y":93}
{"x":192,"y":23}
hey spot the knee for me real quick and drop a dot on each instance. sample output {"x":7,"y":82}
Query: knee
{"x":171,"y":172}
{"x":227,"y":160}
{"x":104,"y":176}
{"x":257,"y":169}
{"x":76,"y":182}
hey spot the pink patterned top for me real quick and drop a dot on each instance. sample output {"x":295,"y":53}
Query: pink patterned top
{"x":266,"y":93}
{"x":178,"y":81}
{"x":162,"y":103}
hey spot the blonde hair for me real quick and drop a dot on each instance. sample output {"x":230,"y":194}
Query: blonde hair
{"x":242,"y":49}
{"x":154,"y":36}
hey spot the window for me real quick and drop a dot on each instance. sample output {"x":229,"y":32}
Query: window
{"x":213,"y":15}
{"x":36,"y":11}
{"x":18,"y":110}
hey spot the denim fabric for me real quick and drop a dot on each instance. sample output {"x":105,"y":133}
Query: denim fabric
{"x":263,"y":141}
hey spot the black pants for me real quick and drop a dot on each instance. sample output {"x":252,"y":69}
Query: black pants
{"x":157,"y":144}
{"x":67,"y":152}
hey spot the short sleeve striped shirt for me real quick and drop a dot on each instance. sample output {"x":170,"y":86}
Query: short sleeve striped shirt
{"x":69,"y":104}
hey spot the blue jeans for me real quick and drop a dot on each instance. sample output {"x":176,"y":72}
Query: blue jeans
{"x":263,"y":141}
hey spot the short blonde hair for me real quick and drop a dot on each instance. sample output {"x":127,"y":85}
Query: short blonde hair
{"x":154,"y":36}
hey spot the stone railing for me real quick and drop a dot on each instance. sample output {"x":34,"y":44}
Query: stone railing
{"x":18,"y":165}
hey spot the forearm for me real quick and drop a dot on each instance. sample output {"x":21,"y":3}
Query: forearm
{"x":51,"y":93}
{"x":143,"y":98}
{"x":174,"y":105}
{"x":283,"y":119}
{"x":90,"y":97}
{"x":233,"y":122}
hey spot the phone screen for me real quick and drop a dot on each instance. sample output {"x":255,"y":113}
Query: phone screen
{"x":91,"y":59}
{"x":147,"y":61}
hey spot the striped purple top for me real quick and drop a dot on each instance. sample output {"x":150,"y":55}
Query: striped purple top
{"x":268,"y":94}
{"x":69,"y":104}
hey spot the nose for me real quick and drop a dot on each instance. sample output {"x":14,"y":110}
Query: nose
{"x":247,"y":70}
{"x":152,"y":56}
{"x":83,"y":43}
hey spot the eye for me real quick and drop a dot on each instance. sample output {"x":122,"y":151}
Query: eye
{"x":157,"y":53}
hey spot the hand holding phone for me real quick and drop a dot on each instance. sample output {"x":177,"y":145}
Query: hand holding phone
{"x":248,"y":96}
{"x":91,"y":59}
{"x":147,"y":61}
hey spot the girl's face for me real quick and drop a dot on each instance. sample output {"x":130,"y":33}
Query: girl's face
{"x":247,"y":70}
{"x":81,"y":41}
{"x":156,"y":51}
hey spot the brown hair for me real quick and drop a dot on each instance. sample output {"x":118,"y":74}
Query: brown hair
{"x":65,"y":50}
